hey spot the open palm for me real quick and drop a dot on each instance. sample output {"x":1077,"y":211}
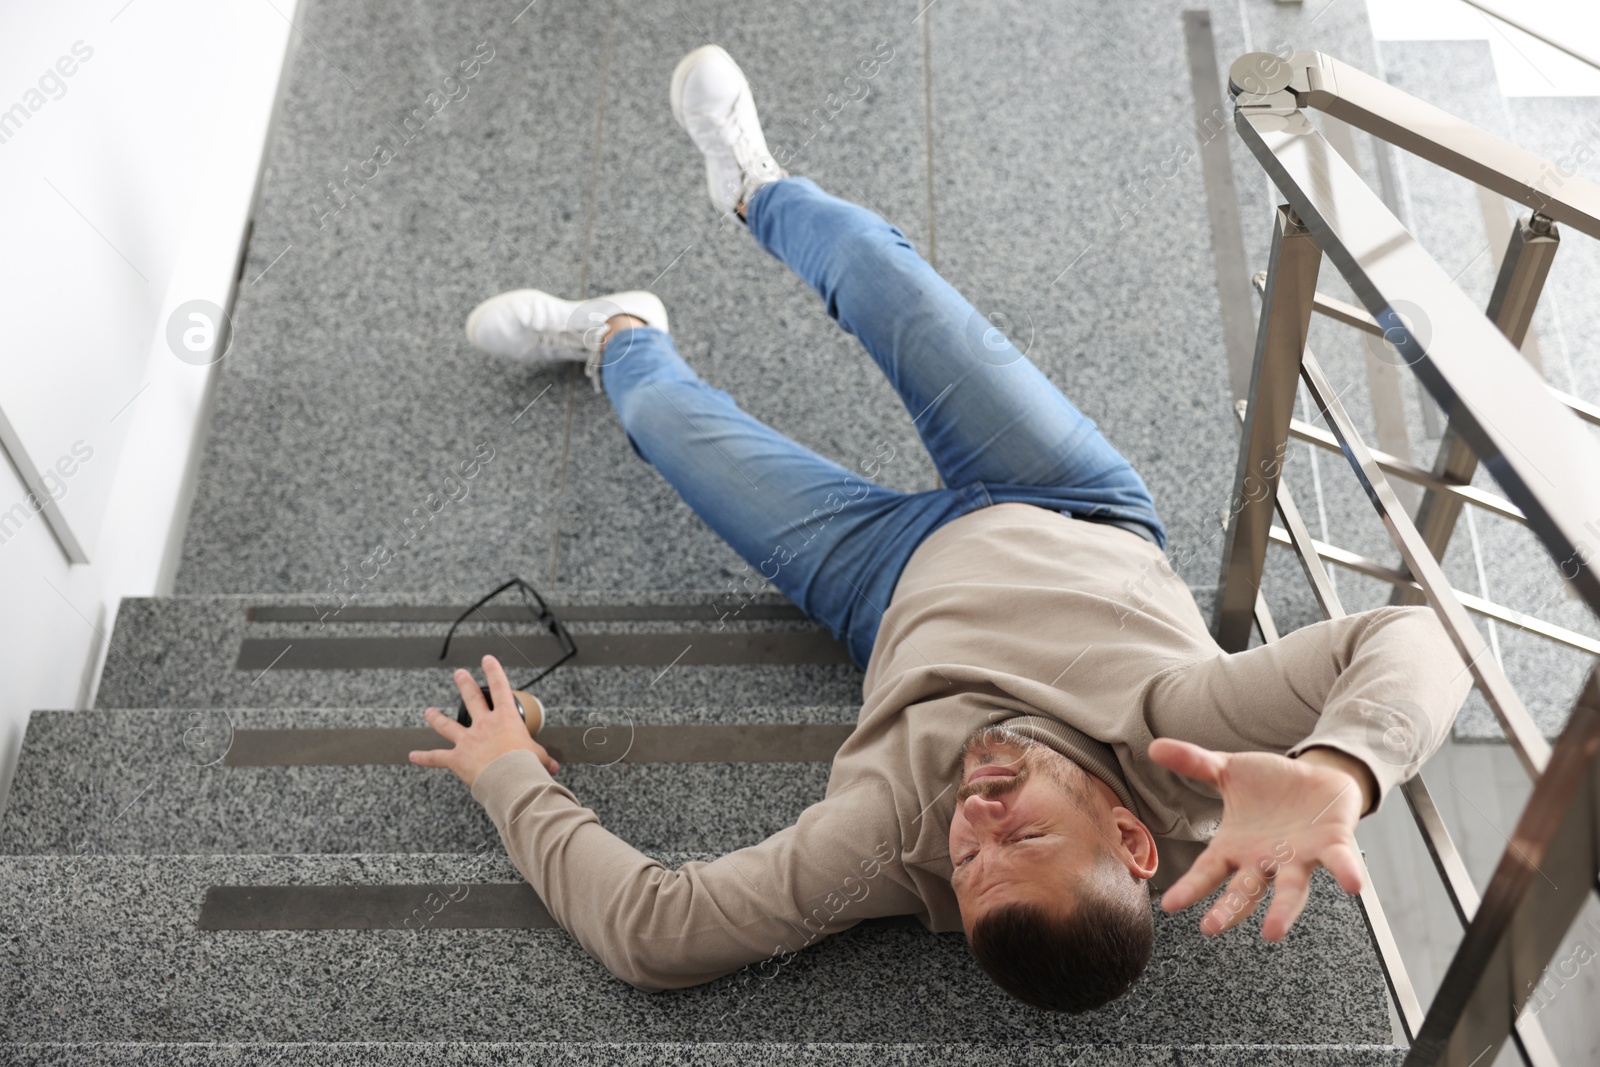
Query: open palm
{"x":1281,"y":820}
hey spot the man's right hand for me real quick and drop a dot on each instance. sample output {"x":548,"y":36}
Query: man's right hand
{"x":1282,"y":818}
{"x":495,"y":729}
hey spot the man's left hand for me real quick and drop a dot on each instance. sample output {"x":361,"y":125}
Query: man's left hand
{"x":1282,"y":818}
{"x":495,"y":730}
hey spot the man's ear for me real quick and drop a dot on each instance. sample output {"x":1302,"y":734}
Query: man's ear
{"x":1138,"y":851}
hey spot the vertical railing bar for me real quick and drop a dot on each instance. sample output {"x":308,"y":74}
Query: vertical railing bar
{"x":1310,"y":562}
{"x":1401,"y":990}
{"x":1264,"y":623}
{"x":1531,"y":747}
{"x":1518,"y":284}
{"x":1296,"y":258}
{"x":1532,"y":1044}
{"x":1452,"y":869}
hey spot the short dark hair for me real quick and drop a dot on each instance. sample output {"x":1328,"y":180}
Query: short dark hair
{"x":1074,"y":961}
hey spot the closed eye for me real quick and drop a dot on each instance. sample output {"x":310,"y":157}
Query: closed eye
{"x":970,"y":856}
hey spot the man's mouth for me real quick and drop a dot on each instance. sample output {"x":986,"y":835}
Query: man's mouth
{"x":994,"y":770}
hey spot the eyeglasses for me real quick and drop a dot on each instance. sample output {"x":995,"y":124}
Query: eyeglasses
{"x":539,"y":610}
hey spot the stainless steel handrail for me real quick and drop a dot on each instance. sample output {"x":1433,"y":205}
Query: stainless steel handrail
{"x":1542,"y":457}
{"x":1531,"y":439}
{"x":1313,"y":80}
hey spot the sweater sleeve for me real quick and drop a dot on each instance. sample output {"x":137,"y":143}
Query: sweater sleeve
{"x":1382,"y":686}
{"x":658,"y":928}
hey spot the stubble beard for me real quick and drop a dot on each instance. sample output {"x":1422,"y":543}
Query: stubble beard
{"x":1031,"y":757}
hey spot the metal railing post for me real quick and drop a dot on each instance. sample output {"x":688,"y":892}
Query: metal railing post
{"x":1516,"y":293}
{"x":1542,"y":457}
{"x":1264,"y":441}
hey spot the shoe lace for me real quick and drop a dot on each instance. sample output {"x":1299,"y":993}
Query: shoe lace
{"x":752,"y":162}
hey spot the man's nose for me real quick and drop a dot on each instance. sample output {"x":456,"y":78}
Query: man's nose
{"x":981,"y":811}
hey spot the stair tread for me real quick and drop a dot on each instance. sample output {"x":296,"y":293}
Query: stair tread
{"x":183,"y":652}
{"x":134,"y":781}
{"x":105,"y":948}
{"x":619,"y":1054}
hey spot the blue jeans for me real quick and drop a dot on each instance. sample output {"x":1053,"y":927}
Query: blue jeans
{"x":830,"y":538}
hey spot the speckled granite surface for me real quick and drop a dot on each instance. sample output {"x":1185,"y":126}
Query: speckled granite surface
{"x":180,"y":652}
{"x":351,"y":394}
{"x":744,"y":322}
{"x":1038,"y":222}
{"x":104,"y":948}
{"x":127,"y":782}
{"x":461,"y":1054}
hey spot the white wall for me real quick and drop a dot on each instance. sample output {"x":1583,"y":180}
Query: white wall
{"x":125,"y":189}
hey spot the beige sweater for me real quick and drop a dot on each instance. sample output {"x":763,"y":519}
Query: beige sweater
{"x":1077,"y":632}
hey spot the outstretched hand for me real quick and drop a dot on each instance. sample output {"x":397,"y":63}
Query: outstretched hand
{"x":494,"y":731}
{"x":1282,"y":818}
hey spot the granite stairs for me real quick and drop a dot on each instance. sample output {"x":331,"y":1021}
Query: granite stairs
{"x":224,"y":860}
{"x":132,"y":829}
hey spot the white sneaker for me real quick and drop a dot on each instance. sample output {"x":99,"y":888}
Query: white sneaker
{"x":533,"y":327}
{"x":711,"y":99}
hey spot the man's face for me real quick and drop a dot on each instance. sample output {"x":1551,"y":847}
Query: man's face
{"x":1029,"y":824}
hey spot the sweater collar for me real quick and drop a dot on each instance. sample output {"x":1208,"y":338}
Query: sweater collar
{"x":1093,"y":756}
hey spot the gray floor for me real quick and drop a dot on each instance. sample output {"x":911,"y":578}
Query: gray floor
{"x":574,"y":178}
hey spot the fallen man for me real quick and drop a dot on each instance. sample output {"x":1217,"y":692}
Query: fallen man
{"x":1046,"y":720}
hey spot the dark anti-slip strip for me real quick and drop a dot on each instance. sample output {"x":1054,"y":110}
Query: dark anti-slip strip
{"x":522,"y":652}
{"x":703,"y":612}
{"x":613,"y":743}
{"x":465,"y":906}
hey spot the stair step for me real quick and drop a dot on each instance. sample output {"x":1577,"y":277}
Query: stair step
{"x":159,"y":781}
{"x":185,"y":652}
{"x":506,"y":1053}
{"x":107,"y":949}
